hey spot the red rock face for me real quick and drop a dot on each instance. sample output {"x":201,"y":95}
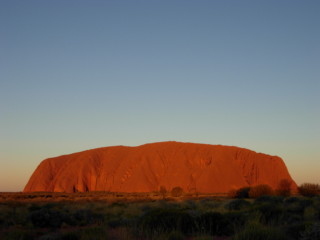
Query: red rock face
{"x":194,"y":167}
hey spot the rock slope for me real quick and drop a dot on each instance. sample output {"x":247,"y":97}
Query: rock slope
{"x":194,"y":167}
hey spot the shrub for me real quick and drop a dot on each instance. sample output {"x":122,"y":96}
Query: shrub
{"x":291,"y":218}
{"x":96,"y":233}
{"x":163,"y":191}
{"x":270,"y":213}
{"x":291,"y":200}
{"x":45,"y":217}
{"x":239,"y":193}
{"x":243,"y":192}
{"x":176,"y":235}
{"x":256,"y":231}
{"x":176,"y":191}
{"x":309,"y":189}
{"x":211,"y":222}
{"x":51,"y":236}
{"x":232,"y":193}
{"x":203,"y":237}
{"x":260,"y":190}
{"x":312,"y":233}
{"x":237,"y":204}
{"x":299,"y":206}
{"x":284,"y":188}
{"x":310,"y":214}
{"x":269,"y":199}
{"x":84,"y":217}
{"x":166,"y":220}
{"x":17,"y":233}
{"x":71,"y":236}
{"x":293,"y":231}
{"x":234,"y":221}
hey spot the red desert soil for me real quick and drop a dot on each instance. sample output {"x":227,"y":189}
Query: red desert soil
{"x":194,"y":167}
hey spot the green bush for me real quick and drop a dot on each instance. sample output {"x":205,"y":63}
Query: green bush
{"x":289,"y":218}
{"x":239,"y":193}
{"x":96,"y":233}
{"x":291,"y":200}
{"x":51,"y":236}
{"x":71,"y":236}
{"x":166,"y":220}
{"x":234,"y":221}
{"x":203,"y":237}
{"x":18,"y":234}
{"x":298,"y":207}
{"x":211,"y":223}
{"x":175,"y":235}
{"x":237,"y":204}
{"x":243,"y":192}
{"x":259,"y":232}
{"x":293,"y":231}
{"x":270,"y":213}
{"x":312,"y":233}
{"x":83,"y":217}
{"x":269,"y":199}
{"x":46,"y":218}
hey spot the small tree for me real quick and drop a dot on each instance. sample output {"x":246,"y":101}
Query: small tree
{"x":239,"y":193}
{"x":176,"y":191}
{"x":309,"y":189}
{"x":232,"y":193}
{"x":163,"y":191}
{"x":243,"y":192}
{"x":260,"y":190}
{"x":284,"y":188}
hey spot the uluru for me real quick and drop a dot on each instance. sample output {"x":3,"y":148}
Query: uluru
{"x":193,"y":167}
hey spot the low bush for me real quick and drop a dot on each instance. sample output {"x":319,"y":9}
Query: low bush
{"x":211,"y":223}
{"x":83,"y":217}
{"x":234,"y":221}
{"x":17,"y":233}
{"x":176,"y":192}
{"x":52,"y":236}
{"x":239,"y":193}
{"x":96,"y":233}
{"x":163,"y":192}
{"x":260,"y":190}
{"x":291,"y":200}
{"x":269,"y":199}
{"x":293,"y":231}
{"x":289,"y":218}
{"x":237,"y":204}
{"x":309,"y":189}
{"x":46,"y":218}
{"x":270,"y":214}
{"x":311,"y":233}
{"x":166,"y":220}
{"x":259,"y":232}
{"x":175,"y":235}
{"x":299,"y":206}
{"x":284,"y":188}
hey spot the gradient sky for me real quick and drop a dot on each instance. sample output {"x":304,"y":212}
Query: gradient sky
{"x":76,"y":75}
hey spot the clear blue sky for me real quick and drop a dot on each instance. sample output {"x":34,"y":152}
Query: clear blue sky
{"x":76,"y":75}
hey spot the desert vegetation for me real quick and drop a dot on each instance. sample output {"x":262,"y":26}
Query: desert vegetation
{"x":309,"y":189}
{"x":252,"y":213}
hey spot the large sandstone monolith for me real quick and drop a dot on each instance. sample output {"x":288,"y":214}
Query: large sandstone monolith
{"x":194,"y":167}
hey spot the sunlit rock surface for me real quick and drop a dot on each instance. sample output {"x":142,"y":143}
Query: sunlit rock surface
{"x":194,"y":167}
